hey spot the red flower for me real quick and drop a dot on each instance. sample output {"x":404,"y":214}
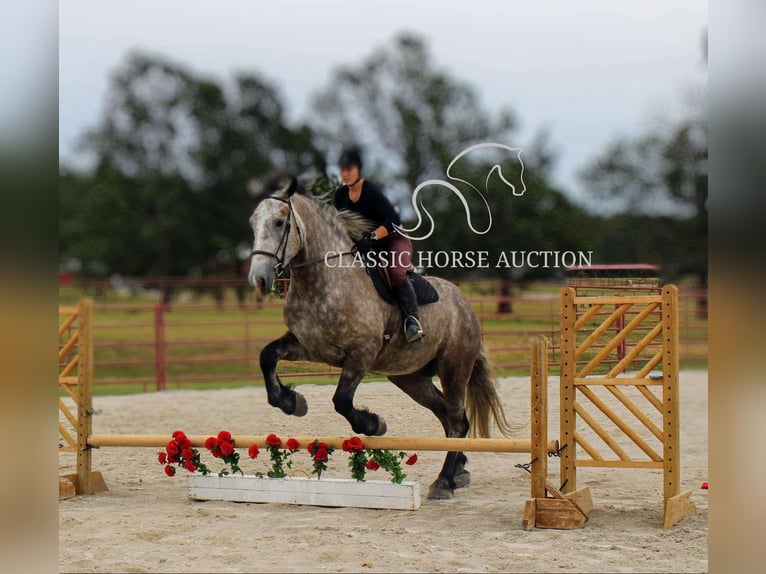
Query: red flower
{"x":274,"y":440}
{"x":318,"y":450}
{"x":352,"y":444}
{"x":170,"y":471}
{"x":226,"y":448}
{"x":185,"y":443}
{"x":224,"y":436}
{"x":179,"y":436}
{"x":190,"y":466}
{"x":162,"y":457}
{"x":211,"y":443}
{"x":372,"y":465}
{"x":173,"y":458}
{"x":253,"y":451}
{"x":216,"y":452}
{"x":412,"y":460}
{"x":172,"y":448}
{"x":292,"y":444}
{"x":704,"y":486}
{"x":187,"y":453}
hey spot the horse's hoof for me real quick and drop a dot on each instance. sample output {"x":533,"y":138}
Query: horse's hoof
{"x":382,"y":427}
{"x":462,"y":479}
{"x":369,"y":424}
{"x":301,"y":406}
{"x":440,"y":490}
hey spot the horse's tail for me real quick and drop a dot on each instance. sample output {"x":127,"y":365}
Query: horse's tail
{"x":482,"y":401}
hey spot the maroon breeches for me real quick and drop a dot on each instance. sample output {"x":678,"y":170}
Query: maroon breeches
{"x":400,"y":248}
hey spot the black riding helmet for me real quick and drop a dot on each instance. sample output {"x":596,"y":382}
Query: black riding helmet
{"x":350,"y":157}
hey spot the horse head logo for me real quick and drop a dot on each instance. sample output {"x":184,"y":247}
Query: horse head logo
{"x":419,"y":208}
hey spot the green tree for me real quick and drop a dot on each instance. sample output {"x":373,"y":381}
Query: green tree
{"x":409,"y":115}
{"x":173,"y":153}
{"x":659,"y":183}
{"x":412,"y":118}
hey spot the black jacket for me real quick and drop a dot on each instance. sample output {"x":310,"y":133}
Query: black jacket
{"x":372,"y":204}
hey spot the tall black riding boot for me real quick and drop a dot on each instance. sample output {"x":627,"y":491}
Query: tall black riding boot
{"x":408,"y":302}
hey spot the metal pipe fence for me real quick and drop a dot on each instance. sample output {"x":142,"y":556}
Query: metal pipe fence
{"x":207,"y":333}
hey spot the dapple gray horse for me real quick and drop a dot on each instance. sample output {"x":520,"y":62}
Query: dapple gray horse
{"x":335,"y":316}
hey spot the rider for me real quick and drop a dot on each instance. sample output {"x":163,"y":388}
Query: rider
{"x":367,"y":198}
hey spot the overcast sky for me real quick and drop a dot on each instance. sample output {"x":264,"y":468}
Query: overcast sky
{"x":587,"y":70}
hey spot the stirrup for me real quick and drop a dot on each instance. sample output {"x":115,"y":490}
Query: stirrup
{"x":418,"y":335}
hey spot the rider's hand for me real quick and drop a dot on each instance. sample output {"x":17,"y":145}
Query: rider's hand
{"x":366,"y":242}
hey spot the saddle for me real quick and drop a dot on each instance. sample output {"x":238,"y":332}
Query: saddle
{"x":424,"y":291}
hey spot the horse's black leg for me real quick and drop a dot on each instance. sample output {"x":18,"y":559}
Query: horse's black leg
{"x":362,"y":420}
{"x":454,"y":377}
{"x":462,"y":476}
{"x":422,"y":390}
{"x":288,"y":348}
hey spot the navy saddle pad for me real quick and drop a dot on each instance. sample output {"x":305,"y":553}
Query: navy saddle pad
{"x":425,"y":292}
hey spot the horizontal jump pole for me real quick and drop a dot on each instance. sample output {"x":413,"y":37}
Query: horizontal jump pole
{"x":383,"y":443}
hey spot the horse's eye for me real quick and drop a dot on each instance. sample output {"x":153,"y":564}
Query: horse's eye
{"x":280,"y":222}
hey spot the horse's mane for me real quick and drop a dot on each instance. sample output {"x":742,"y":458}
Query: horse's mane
{"x":320,"y":193}
{"x":351,"y":222}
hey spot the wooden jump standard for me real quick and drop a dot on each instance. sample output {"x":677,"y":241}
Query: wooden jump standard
{"x":593,"y":328}
{"x":563,"y":511}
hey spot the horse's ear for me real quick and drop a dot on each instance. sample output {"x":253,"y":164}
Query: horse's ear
{"x":291,"y":188}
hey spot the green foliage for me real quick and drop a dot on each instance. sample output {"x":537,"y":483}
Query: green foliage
{"x":233,"y":461}
{"x":389,"y":462}
{"x":173,"y":153}
{"x":280,"y":458}
{"x":658,"y":185}
{"x":356,"y":463}
{"x":412,"y":115}
{"x":325,"y":187}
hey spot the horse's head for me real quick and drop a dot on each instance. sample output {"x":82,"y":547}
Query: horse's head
{"x":277,"y":235}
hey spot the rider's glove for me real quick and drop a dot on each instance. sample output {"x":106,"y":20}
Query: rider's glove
{"x":366,"y":242}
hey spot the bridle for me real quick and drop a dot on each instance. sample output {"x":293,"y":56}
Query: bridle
{"x":279,"y":267}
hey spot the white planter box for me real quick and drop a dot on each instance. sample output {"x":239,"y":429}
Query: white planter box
{"x":343,"y":492}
